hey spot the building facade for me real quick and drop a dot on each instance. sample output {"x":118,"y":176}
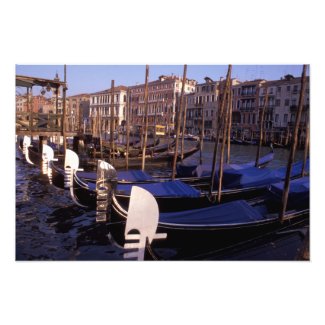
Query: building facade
{"x":246,"y":109}
{"x":100,"y":105}
{"x":37,"y":103}
{"x":163,"y":99}
{"x":203,"y":106}
{"x":78,"y":108}
{"x":282,"y":106}
{"x":21,"y":103}
{"x":87,"y":112}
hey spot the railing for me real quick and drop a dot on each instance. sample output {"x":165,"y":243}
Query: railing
{"x":268,"y":107}
{"x":248,"y":94}
{"x":38,"y":122}
{"x":247,"y":109}
{"x":295,"y":107}
{"x":42,"y":122}
{"x":293,"y":123}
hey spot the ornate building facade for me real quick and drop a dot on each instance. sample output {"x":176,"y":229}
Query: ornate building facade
{"x":163,"y":99}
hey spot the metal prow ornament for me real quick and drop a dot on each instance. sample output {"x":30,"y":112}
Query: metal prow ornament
{"x":47,"y":157}
{"x":71,"y":166}
{"x":141,"y":224}
{"x":26,"y":144}
{"x":105,"y":180}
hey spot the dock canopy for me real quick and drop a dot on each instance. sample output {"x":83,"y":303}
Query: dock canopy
{"x":26,"y":81}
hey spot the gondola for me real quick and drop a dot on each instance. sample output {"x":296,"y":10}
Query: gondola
{"x":224,"y":224}
{"x":287,"y":243}
{"x":158,"y":154}
{"x":236,"y":141}
{"x":171,"y":195}
{"x":19,"y":148}
{"x":249,"y":142}
{"x":169,"y":155}
{"x":151,"y":150}
{"x":161,"y":148}
{"x":34,"y":155}
{"x":202,"y":170}
{"x":175,"y":195}
{"x":150,"y":143}
{"x":244,"y":142}
{"x":161,"y":153}
{"x":57,"y":176}
{"x":279,"y":145}
{"x":24,"y":145}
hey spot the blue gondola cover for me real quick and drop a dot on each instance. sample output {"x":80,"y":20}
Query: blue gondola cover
{"x":228,"y":213}
{"x":250,"y":177}
{"x":163,"y":189}
{"x":298,"y":190}
{"x":204,"y":170}
{"x":133,"y":176}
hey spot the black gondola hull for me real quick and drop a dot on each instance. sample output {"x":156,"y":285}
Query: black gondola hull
{"x":209,"y":236}
{"x":35,"y":156}
{"x":174,"y":204}
{"x":57,"y":176}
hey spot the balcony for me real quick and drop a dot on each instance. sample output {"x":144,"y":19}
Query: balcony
{"x":268,"y":107}
{"x":294,"y":108}
{"x":292,"y":124}
{"x":247,"y":109}
{"x":248,"y":94}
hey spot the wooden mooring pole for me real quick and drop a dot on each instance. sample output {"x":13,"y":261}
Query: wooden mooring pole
{"x":145,"y":129}
{"x":168,"y":127}
{"x":64,"y":90}
{"x":112,"y":124}
{"x":183,"y":129}
{"x":293,"y":146}
{"x":30,"y":110}
{"x":179,"y":114}
{"x":229,"y":123}
{"x":99,"y":118}
{"x":128,"y":113}
{"x":261,"y":127}
{"x":225,"y":124}
{"x":219,"y":119}
{"x":306,"y":150}
{"x":155,"y":127}
{"x":202,"y":132}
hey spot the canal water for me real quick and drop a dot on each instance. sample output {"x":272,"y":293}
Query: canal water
{"x":49,"y":226}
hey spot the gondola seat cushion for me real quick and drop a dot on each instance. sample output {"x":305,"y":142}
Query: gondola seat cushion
{"x":236,"y":212}
{"x":298,"y":190}
{"x":162,"y":189}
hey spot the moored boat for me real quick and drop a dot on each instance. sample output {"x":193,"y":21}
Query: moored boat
{"x":226,"y":223}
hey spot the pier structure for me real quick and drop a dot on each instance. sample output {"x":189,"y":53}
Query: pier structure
{"x":54,"y":122}
{"x":37,"y":123}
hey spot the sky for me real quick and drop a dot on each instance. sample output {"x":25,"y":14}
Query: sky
{"x":93,"y":78}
